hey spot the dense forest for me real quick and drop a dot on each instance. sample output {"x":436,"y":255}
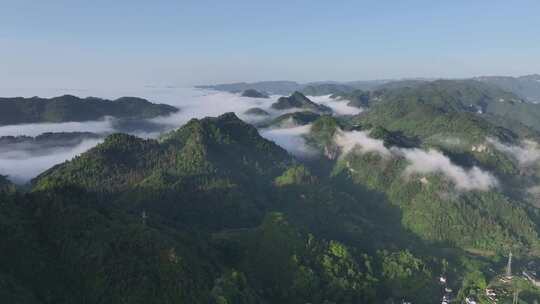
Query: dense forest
{"x":66,"y":108}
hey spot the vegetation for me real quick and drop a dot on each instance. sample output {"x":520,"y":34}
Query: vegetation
{"x":71,"y":108}
{"x":254,"y":94}
{"x":300,"y":101}
{"x":527,"y":87}
{"x":292,"y":119}
{"x":256,"y":112}
{"x":356,"y":98}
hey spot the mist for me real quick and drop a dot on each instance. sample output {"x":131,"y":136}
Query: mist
{"x":420,"y":161}
{"x":433,"y":161}
{"x":291,"y":139}
{"x":527,"y":153}
{"x":35,"y":129}
{"x":349,"y":141}
{"x":339,"y":107}
{"x":21,"y":165}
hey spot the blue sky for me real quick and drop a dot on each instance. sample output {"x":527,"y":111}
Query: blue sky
{"x":75,"y":43}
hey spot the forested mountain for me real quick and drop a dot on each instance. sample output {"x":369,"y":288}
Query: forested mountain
{"x":45,"y":141}
{"x":289,"y":87}
{"x":254,"y":94}
{"x":272,"y":87}
{"x":71,"y":108}
{"x":526,"y":87}
{"x":299,"y":101}
{"x":256,"y":112}
{"x":292,"y":119}
{"x":428,"y":100}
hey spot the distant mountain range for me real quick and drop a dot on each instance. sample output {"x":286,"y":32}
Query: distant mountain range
{"x":67,"y":108}
{"x":526,"y":87}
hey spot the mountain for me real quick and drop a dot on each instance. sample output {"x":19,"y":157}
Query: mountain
{"x":45,"y":141}
{"x":272,"y":87}
{"x":326,"y":89}
{"x":292,"y":119}
{"x":289,"y":87}
{"x":526,"y":87}
{"x":299,"y":101}
{"x":445,"y":102}
{"x":66,"y":108}
{"x":256,"y":112}
{"x":356,"y":98}
{"x":218,"y":159}
{"x":254,"y":94}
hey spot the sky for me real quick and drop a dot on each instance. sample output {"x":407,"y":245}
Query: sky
{"x":101,"y":44}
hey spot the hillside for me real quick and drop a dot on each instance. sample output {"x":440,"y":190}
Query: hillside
{"x":71,"y":108}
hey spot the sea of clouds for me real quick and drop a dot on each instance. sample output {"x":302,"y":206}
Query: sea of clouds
{"x":20,"y":165}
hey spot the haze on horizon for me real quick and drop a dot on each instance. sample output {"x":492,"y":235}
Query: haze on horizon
{"x":100,"y":44}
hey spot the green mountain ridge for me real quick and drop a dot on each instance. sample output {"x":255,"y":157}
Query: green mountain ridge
{"x":254,"y":94}
{"x":69,"y":108}
{"x":300,"y":101}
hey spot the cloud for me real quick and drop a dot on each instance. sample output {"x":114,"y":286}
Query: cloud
{"x":420,"y":161}
{"x":22,"y":165}
{"x":291,"y":139}
{"x":35,"y":129}
{"x":210,"y":103}
{"x":193,"y":103}
{"x":339,"y":107}
{"x":348,"y":141}
{"x":527,"y":153}
{"x":433,"y":161}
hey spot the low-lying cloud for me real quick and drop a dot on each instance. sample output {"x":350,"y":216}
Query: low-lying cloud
{"x":193,"y":103}
{"x":340,"y":107}
{"x":35,"y":129}
{"x":527,"y":153}
{"x":21,"y":165}
{"x":291,"y":139}
{"x":349,"y":141}
{"x":433,"y":161}
{"x":420,"y":161}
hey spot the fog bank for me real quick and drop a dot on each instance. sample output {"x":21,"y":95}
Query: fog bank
{"x":420,"y":161}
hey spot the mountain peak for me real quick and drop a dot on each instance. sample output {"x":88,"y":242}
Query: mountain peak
{"x":299,"y":100}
